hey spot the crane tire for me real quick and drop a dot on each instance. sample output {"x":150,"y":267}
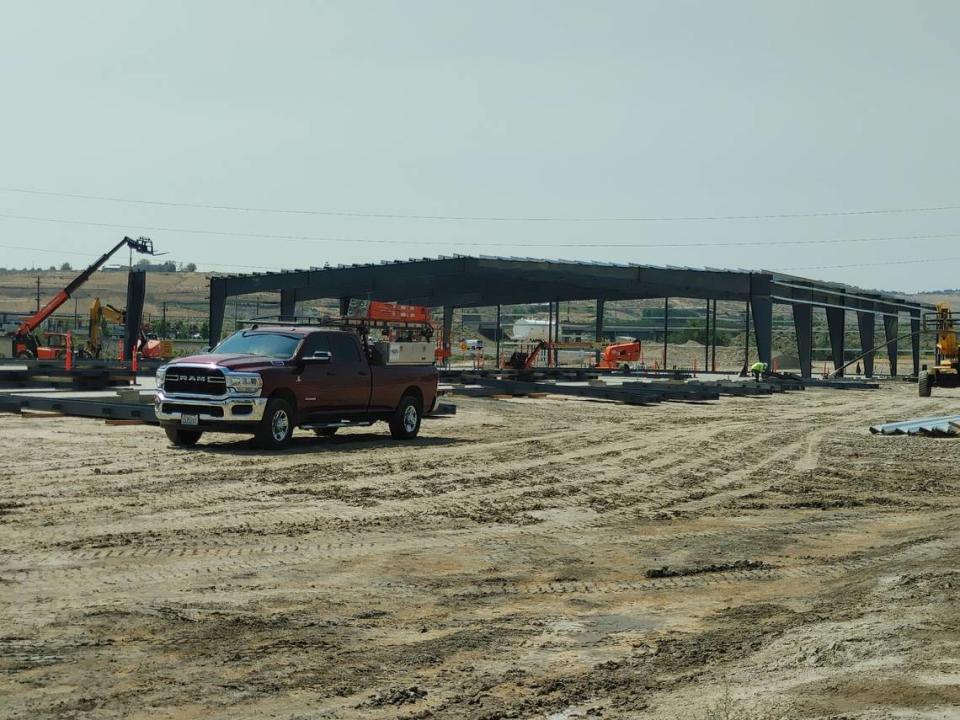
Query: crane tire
{"x":923,"y":384}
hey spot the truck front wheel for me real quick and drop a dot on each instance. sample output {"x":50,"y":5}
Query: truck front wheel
{"x":276,"y":427}
{"x":405,"y":423}
{"x":182,"y":438}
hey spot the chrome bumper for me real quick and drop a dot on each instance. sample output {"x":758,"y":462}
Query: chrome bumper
{"x":235,"y":409}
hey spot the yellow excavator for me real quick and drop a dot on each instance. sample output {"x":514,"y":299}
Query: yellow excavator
{"x":98,"y":313}
{"x":946,"y":370}
{"x":93,"y":348}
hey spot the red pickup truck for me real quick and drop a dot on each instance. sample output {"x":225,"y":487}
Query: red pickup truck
{"x":266,"y":381}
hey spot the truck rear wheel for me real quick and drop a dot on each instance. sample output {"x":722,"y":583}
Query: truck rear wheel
{"x":923,"y":384}
{"x":405,"y":423}
{"x":276,"y":427}
{"x":181,"y":437}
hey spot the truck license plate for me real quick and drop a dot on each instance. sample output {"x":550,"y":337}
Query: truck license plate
{"x":189,"y":419}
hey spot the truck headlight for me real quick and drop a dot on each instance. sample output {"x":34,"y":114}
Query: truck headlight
{"x":246,"y":384}
{"x":161,"y":375}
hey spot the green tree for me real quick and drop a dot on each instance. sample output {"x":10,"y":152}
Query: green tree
{"x":66,"y":267}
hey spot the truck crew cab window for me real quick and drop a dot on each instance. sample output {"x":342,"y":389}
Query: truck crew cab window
{"x":314,"y":343}
{"x":344,"y":350}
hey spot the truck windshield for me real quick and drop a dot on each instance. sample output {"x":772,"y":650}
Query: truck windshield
{"x":272,"y":345}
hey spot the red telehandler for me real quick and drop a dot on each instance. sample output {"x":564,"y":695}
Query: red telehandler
{"x":24,"y":344}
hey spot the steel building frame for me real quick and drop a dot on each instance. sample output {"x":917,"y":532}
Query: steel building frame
{"x":480,"y":281}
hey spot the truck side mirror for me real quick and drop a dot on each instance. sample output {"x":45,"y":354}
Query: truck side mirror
{"x":319,"y":357}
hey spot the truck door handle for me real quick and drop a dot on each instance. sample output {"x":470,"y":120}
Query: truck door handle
{"x":330,"y":372}
{"x":361,"y":372}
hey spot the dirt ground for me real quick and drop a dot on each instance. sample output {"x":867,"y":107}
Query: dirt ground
{"x":525,"y":559}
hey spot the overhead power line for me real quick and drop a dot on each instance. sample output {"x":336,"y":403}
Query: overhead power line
{"x":481,"y":218}
{"x":83,"y":254}
{"x":454,"y":244}
{"x":871,"y":264}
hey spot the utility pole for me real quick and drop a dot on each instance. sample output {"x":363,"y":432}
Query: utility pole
{"x":38,"y":293}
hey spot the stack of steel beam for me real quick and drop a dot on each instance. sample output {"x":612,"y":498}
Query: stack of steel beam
{"x":946,"y":426}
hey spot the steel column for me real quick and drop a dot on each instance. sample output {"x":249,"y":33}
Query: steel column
{"x":837,"y":326}
{"x":891,"y":331}
{"x":218,"y":306}
{"x":344,"y":306}
{"x":746,"y":344}
{"x":598,"y":333}
{"x":706,"y":341}
{"x":866,"y":323}
{"x":713,"y":343}
{"x":803,"y":322}
{"x":915,"y":341}
{"x":136,"y":292}
{"x":762,"y":306}
{"x":556,"y":335}
{"x":549,"y":331}
{"x":288,"y":305}
{"x":666,"y":329}
{"x":497,"y":335}
{"x":447,"y":330}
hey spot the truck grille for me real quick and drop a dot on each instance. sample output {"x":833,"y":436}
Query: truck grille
{"x":194,"y":381}
{"x":211,"y":410}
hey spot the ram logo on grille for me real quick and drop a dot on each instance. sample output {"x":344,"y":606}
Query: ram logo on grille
{"x":196,"y":378}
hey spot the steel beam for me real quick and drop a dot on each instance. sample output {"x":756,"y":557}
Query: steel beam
{"x":891,"y":331}
{"x":837,"y":326}
{"x":98,"y":408}
{"x":803,"y":322}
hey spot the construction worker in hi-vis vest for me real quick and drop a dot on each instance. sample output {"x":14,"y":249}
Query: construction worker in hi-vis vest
{"x":758,"y":369}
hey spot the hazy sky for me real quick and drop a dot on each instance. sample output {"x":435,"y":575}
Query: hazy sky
{"x":487,"y":109}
